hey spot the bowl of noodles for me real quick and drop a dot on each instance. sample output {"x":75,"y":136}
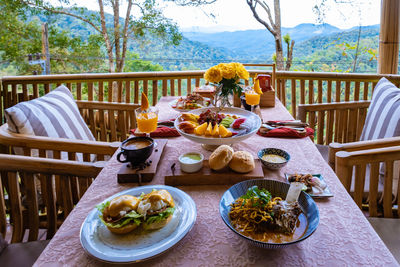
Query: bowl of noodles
{"x":256,"y":210}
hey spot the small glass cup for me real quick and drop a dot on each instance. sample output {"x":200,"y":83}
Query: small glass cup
{"x":252,"y":98}
{"x":147,"y":120}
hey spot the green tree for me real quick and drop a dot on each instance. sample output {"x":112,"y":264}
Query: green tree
{"x":133,"y":64}
{"x":142,"y":17}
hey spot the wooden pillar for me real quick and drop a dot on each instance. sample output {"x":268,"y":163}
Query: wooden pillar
{"x":389,"y":37}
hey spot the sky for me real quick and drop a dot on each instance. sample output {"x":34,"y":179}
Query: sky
{"x":231,"y":15}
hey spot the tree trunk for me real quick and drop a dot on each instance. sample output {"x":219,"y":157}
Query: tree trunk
{"x":289,"y":55}
{"x":278,"y":35}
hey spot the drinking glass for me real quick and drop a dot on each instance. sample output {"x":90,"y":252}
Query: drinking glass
{"x":252,"y":98}
{"x":147,"y":120}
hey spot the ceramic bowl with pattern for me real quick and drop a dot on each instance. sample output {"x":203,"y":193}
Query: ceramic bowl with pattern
{"x":273,"y":152}
{"x":276,"y":188}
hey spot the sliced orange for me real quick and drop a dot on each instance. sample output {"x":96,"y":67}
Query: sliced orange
{"x":145,"y":102}
{"x":223,"y":132}
{"x":209,"y":129}
{"x":201,"y":129}
{"x":215,"y":131}
{"x":257,"y":88}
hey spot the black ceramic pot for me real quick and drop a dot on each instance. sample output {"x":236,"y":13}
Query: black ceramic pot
{"x":135,"y":156}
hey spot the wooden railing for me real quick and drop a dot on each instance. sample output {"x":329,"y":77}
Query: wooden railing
{"x":292,"y":88}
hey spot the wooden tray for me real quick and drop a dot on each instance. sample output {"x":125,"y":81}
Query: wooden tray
{"x":206,"y":176}
{"x":267,"y":99}
{"x":128,"y":175}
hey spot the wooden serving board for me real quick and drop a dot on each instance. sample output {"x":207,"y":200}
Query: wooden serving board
{"x":206,"y":176}
{"x":128,"y":175}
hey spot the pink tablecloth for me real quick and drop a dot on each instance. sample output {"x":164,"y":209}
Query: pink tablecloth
{"x":343,"y":238}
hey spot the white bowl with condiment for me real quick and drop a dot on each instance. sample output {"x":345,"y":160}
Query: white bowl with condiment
{"x":191,"y":162}
{"x":273,"y":158}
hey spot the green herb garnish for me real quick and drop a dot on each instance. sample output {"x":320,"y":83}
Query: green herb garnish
{"x":261,"y":194}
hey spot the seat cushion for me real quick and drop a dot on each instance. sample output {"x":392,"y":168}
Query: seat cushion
{"x":389,"y":231}
{"x":53,"y":115}
{"x":22,"y":254}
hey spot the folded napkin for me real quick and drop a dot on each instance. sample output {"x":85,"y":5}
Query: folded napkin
{"x":164,"y":129}
{"x":291,"y":129}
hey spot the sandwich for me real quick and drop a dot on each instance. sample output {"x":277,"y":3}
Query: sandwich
{"x":119,"y":214}
{"x":156,"y":208}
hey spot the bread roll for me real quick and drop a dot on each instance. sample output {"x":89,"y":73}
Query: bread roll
{"x":221,"y":157}
{"x":242,"y":161}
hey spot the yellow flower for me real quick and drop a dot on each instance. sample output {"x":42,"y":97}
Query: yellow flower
{"x":227,"y":70}
{"x":240,"y":70}
{"x":213,"y":75}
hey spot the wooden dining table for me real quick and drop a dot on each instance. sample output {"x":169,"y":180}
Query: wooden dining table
{"x":344,"y":237}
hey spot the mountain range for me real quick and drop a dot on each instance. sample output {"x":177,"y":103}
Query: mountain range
{"x":203,"y":49}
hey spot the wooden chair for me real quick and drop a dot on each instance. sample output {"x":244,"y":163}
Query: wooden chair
{"x":108,"y":122}
{"x":21,"y":173}
{"x":339,"y":125}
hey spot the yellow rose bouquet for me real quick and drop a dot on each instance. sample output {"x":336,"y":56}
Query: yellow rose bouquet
{"x":226,"y":76}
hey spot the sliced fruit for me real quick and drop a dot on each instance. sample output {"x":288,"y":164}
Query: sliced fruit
{"x":257,"y":88}
{"x":201,"y":129}
{"x":223,"y":132}
{"x":215,"y":131}
{"x":145,"y":102}
{"x":209,"y":129}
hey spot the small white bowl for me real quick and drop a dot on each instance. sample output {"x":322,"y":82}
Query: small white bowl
{"x":191,"y":165}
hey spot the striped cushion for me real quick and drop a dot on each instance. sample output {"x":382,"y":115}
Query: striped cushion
{"x":54,"y":115}
{"x":383,"y":117}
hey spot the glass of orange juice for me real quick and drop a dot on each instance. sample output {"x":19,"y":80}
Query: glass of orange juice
{"x":252,"y":98}
{"x":147,"y":120}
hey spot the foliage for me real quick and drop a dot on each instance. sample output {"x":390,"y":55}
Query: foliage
{"x":134,"y":64}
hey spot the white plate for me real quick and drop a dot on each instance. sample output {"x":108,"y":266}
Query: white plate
{"x":173,"y":103}
{"x":223,"y":141}
{"x":99,"y":242}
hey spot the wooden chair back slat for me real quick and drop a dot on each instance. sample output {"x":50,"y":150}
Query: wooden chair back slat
{"x":387,"y":189}
{"x":359,"y":184}
{"x":29,"y":180}
{"x":373,"y":189}
{"x":47,"y":184}
{"x":68,"y":202}
{"x":3,"y":216}
{"x":15,"y":208}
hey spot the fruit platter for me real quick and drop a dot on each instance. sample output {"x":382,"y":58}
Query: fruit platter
{"x":209,"y":127}
{"x":190,"y":102}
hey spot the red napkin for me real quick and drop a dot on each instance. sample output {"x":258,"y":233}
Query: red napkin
{"x":161,"y":131}
{"x":285,"y":132}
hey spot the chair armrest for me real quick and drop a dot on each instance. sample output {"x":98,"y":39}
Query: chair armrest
{"x":345,"y":162}
{"x":49,"y":166}
{"x":360,"y":145}
{"x":8,"y":138}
